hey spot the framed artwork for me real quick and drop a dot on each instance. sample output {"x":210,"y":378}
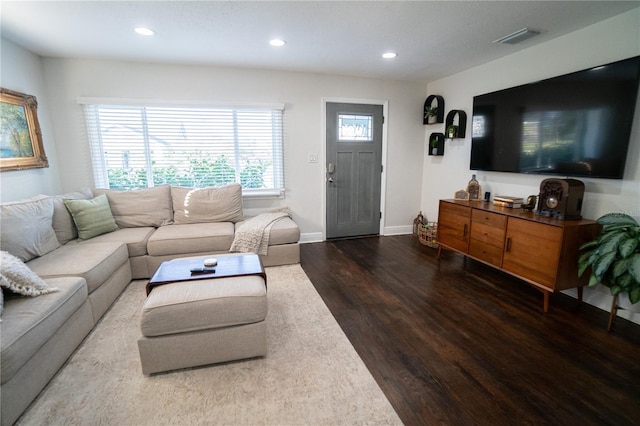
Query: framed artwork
{"x":20,"y":135}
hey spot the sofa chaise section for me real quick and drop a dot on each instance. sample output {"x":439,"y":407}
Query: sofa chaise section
{"x":104,"y":266}
{"x":136,"y":240}
{"x":38,"y":335}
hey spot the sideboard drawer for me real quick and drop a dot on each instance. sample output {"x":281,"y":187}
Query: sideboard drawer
{"x":486,"y":252}
{"x":488,"y":234}
{"x":494,"y":220}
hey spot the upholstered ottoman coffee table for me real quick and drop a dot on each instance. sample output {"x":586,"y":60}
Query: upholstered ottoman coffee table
{"x":205,"y":320}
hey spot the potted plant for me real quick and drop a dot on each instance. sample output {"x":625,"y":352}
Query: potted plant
{"x":430,"y":113}
{"x":452,"y":131}
{"x":434,"y":146}
{"x":614,"y":258}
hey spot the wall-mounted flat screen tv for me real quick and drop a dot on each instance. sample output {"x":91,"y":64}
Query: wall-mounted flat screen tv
{"x":575,"y":125}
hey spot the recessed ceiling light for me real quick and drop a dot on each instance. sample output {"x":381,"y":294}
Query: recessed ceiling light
{"x":276,"y":42}
{"x":144,"y":31}
{"x":389,"y":55}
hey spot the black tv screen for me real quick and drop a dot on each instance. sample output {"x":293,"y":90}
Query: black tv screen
{"x":576,"y":124}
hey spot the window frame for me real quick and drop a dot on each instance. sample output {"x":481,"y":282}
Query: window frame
{"x":94,"y":141}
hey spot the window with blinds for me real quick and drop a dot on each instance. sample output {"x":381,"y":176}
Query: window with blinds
{"x":143,"y":146}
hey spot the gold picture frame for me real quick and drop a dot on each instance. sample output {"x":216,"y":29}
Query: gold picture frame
{"x":20,"y":135}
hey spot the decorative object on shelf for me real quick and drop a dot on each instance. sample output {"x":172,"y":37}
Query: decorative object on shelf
{"x":460,"y":128}
{"x":23,"y":149}
{"x":474,"y":189}
{"x":561,"y":198}
{"x":452,"y":131}
{"x":417,"y":221}
{"x":427,"y":231}
{"x":433,"y":114}
{"x":461,"y":195}
{"x":614,"y":259}
{"x":508,"y":201}
{"x":428,"y":234}
{"x":531,"y":202}
{"x":436,"y":144}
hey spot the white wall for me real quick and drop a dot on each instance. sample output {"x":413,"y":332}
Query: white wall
{"x":302,"y":94}
{"x":608,"y":41}
{"x":22,"y":71}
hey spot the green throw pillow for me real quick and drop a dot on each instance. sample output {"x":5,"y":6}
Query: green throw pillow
{"x":92,"y":217}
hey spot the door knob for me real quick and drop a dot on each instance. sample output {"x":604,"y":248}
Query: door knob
{"x":330,"y":180}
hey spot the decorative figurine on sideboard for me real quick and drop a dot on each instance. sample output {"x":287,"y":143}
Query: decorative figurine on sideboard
{"x":474,"y":189}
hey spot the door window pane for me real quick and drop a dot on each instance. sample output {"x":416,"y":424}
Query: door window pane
{"x":353,"y":127}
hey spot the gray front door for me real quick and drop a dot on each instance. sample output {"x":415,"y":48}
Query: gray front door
{"x":354,"y":169}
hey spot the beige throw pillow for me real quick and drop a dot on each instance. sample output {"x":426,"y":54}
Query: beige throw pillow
{"x":17,"y":277}
{"x":26,"y":230}
{"x":199,"y":205}
{"x":92,"y":217}
{"x":63,"y":224}
{"x":140,"y":207}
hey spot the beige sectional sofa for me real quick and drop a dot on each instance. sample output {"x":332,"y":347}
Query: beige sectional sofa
{"x":142,"y":229}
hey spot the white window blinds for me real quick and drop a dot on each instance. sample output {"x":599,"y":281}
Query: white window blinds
{"x":137,"y":146}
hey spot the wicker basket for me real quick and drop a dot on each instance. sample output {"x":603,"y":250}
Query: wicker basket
{"x":428,"y":234}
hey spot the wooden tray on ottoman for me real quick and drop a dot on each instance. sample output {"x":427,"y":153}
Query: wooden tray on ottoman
{"x":229,"y":265}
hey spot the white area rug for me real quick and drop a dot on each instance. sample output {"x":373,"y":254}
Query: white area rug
{"x":311,"y":374}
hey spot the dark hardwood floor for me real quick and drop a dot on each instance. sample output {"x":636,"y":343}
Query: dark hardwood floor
{"x":458,"y":343}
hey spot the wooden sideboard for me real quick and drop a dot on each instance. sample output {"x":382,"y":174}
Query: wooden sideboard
{"x":541,"y":251}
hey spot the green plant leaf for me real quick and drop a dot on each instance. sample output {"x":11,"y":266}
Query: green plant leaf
{"x":582,"y":266}
{"x":628,"y":246}
{"x":614,"y":256}
{"x":590,"y":244}
{"x":617,"y":219}
{"x":585,"y":255}
{"x":601,"y":265}
{"x":625,"y":281}
{"x":611,"y":241}
{"x":634,"y":268}
{"x":621,"y":227}
{"x":619,"y":267}
{"x":615,"y":289}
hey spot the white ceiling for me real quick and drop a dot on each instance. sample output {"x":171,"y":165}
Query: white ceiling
{"x":432,"y":38}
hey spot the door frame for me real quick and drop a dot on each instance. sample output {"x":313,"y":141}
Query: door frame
{"x":323,"y":155}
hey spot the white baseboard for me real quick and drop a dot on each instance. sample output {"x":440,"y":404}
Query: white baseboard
{"x":398,"y":230}
{"x":315,"y":237}
{"x":601,"y":298}
{"x":311,"y":237}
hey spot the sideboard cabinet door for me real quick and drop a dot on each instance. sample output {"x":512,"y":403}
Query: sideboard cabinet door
{"x":532,"y":251}
{"x":454,"y":226}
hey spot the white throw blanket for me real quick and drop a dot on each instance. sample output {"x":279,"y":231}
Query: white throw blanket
{"x":253,"y":235}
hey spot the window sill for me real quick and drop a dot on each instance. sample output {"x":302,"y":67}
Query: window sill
{"x":255,"y":194}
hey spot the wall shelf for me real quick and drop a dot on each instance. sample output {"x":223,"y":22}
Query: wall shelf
{"x":439,"y":148}
{"x":429,"y":104}
{"x":462,"y":123}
